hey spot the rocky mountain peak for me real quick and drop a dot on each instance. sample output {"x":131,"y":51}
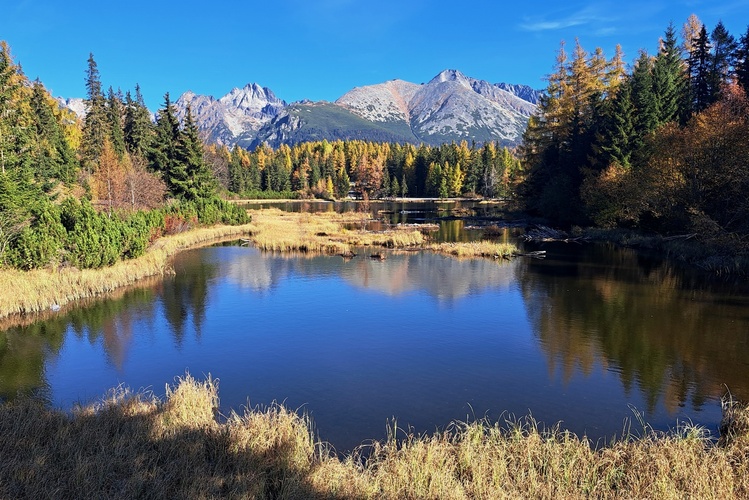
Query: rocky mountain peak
{"x":251,"y":99}
{"x":451,"y":75}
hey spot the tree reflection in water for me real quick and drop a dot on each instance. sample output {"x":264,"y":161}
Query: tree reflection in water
{"x":663,"y":330}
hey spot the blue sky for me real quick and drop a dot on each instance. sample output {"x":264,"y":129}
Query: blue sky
{"x":319,"y":49}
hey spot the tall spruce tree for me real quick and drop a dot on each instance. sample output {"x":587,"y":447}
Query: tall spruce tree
{"x":95,"y":125}
{"x":53,"y":156}
{"x":642,"y":96}
{"x":114,"y":117}
{"x":669,"y":80}
{"x":722,"y":60}
{"x":742,"y":61}
{"x":163,"y":153}
{"x":189,"y":176}
{"x":138,"y":129}
{"x":699,"y":72}
{"x":617,"y":136}
{"x":15,"y":124}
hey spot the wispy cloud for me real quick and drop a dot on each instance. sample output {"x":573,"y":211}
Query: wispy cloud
{"x":585,"y":16}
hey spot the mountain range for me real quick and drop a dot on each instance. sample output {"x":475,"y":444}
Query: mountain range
{"x":450,"y":107}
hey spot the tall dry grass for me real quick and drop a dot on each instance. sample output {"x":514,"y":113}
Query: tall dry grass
{"x":325,"y":232}
{"x":137,"y":446}
{"x":24,"y":292}
{"x":470,"y":249}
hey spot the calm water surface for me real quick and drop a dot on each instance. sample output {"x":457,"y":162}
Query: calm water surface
{"x":583,"y":337}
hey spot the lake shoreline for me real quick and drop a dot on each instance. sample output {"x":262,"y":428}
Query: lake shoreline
{"x":32,"y":292}
{"x":178,"y":447}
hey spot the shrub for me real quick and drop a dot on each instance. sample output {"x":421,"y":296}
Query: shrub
{"x":42,"y":242}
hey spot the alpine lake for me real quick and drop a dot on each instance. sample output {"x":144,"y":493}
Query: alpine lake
{"x":597,"y":339}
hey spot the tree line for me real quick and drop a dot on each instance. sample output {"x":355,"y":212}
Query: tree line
{"x":373,"y":170}
{"x":88,"y":194}
{"x":662,"y":145}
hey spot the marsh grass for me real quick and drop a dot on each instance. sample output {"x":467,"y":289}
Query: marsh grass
{"x":26,"y":292}
{"x":476,"y":249}
{"x":323,"y":232}
{"x":134,"y":445}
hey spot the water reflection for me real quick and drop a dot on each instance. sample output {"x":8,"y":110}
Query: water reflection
{"x":443,"y":278}
{"x":418,"y":335}
{"x":655,"y":327}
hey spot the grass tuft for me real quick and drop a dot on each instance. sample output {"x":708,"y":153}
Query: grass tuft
{"x":134,"y":445}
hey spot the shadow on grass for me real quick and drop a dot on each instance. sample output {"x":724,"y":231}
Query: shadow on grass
{"x":137,"y":447}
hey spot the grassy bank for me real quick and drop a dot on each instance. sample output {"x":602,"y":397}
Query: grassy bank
{"x":136,"y":446}
{"x":23,"y":292}
{"x":34,"y":291}
{"x":334,"y":233}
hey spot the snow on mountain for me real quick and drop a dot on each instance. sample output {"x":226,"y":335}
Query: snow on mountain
{"x":450,"y":107}
{"x":75,"y":104}
{"x":233,"y":118}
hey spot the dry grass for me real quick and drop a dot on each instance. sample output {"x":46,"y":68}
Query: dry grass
{"x":323,"y":232}
{"x":23,"y":292}
{"x":136,"y":446}
{"x":476,"y":249}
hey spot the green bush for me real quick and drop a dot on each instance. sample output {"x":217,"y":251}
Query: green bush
{"x":94,"y":239}
{"x":42,"y":242}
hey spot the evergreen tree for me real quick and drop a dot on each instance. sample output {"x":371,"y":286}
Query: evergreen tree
{"x":742,"y":61}
{"x":237,"y":182}
{"x":190,"y":176}
{"x":163,"y":153}
{"x":699,"y":72}
{"x":642,"y":96}
{"x":618,"y":133}
{"x":52,"y":154}
{"x":138,"y":129}
{"x":669,"y":83}
{"x":15,"y":125}
{"x":114,"y":115}
{"x":722,"y":60}
{"x":95,"y":125}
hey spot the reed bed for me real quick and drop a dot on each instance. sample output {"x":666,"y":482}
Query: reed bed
{"x":324,"y":232}
{"x":134,"y":445}
{"x":23,"y":292}
{"x":476,"y":249}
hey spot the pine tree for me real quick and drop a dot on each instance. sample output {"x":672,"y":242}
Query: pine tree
{"x":163,"y":153}
{"x":642,"y":96}
{"x":742,"y":61}
{"x":190,"y":177}
{"x":721,"y":61}
{"x":138,"y":128}
{"x":95,"y":125}
{"x":669,"y":83}
{"x":114,"y":115}
{"x":699,"y":72}
{"x":14,"y":123}
{"x":53,"y":156}
{"x":618,"y":133}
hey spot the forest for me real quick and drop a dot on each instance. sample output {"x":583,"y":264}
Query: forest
{"x":87,"y":194}
{"x":660,"y":146}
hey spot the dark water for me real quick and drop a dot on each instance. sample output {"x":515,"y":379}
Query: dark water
{"x":582,"y":337}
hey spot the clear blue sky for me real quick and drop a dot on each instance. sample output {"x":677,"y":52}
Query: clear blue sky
{"x":319,"y":49}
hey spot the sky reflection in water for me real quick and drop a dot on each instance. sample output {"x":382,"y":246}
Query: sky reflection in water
{"x":419,"y":337}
